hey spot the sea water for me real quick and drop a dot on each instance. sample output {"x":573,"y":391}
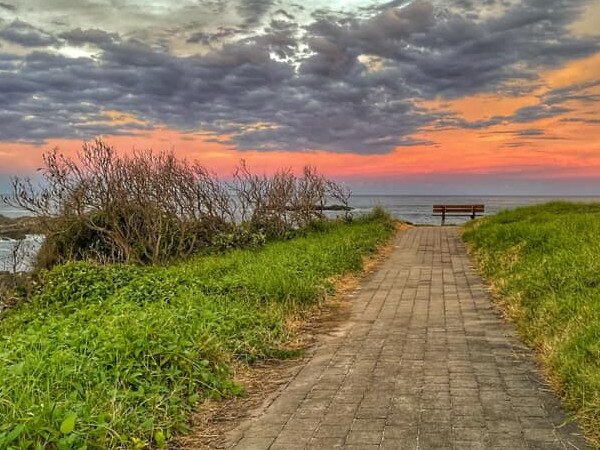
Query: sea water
{"x":417,"y":208}
{"x":18,"y":255}
{"x":411,"y":208}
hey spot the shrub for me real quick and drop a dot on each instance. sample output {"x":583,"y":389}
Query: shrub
{"x":152,"y":207}
{"x":242,"y":236}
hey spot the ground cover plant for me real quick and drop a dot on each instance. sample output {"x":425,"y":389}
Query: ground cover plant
{"x":544,"y":263}
{"x":116,"y":356}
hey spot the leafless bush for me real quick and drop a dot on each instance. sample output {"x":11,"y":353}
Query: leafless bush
{"x":18,"y":256}
{"x":285,"y":202}
{"x":151,"y":207}
{"x":145,"y":208}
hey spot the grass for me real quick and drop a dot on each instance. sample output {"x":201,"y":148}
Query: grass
{"x":544,"y":263}
{"x":117,"y":356}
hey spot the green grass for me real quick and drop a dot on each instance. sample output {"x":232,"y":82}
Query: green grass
{"x":544,"y":262}
{"x":117,"y":356}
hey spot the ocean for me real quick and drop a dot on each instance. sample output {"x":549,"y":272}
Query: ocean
{"x":417,"y":208}
{"x":411,"y":208}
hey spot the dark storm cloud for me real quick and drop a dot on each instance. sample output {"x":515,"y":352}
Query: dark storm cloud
{"x":24,"y":34}
{"x":340,"y":83}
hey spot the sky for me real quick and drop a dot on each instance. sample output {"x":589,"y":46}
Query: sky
{"x":400,"y":96}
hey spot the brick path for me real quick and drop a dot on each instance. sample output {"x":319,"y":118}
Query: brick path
{"x":425,"y":363}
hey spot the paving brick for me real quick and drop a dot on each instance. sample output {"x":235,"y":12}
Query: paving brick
{"x":332,"y":431}
{"x":498,"y":441}
{"x":393,"y":444}
{"x":469,"y":445}
{"x":368,"y":424}
{"x":460,"y":434}
{"x":435,"y":438}
{"x":325,"y":443}
{"x":255,"y":443}
{"x":364,"y":437}
{"x":424,"y":362}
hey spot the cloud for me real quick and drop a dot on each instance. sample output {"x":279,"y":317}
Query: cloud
{"x":287,"y":15}
{"x":8,"y":6}
{"x":581,"y":120}
{"x":209,"y":38}
{"x":253,"y":10}
{"x":339,"y":82}
{"x":92,"y":36}
{"x":24,"y":34}
{"x":575,"y":92}
{"x":537,"y":112}
{"x":530,"y":132}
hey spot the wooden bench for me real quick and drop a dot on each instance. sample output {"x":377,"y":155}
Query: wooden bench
{"x":457,"y":210}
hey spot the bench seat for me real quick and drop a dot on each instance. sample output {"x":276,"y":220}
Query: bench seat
{"x":444,"y":211}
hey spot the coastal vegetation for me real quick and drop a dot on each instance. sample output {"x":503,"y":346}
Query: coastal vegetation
{"x":153,"y":208}
{"x":117,"y":355}
{"x":544,"y":265}
{"x":154,"y":282}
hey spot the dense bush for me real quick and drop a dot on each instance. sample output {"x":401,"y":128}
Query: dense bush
{"x":543,"y":262}
{"x":151,"y":207}
{"x":115,"y":356}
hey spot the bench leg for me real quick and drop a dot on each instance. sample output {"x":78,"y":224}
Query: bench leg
{"x":443,"y":217}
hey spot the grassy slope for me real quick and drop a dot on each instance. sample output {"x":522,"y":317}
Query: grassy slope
{"x":126,"y":351}
{"x":544,"y":262}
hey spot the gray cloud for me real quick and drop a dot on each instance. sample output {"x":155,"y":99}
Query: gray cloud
{"x":24,"y":34}
{"x":8,"y":6}
{"x":93,"y":36}
{"x":253,"y":10}
{"x":577,"y":92}
{"x":343,"y":82}
{"x":209,"y":38}
{"x":537,"y":112}
{"x":581,"y":120}
{"x":287,"y":15}
{"x":530,"y":132}
{"x":523,"y":115}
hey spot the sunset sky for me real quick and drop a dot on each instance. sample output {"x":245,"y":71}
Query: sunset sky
{"x":423,"y":96}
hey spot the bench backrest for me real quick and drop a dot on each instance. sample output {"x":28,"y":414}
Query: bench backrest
{"x":456,"y":209}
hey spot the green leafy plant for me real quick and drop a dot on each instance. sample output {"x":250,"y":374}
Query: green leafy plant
{"x":116,"y":356}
